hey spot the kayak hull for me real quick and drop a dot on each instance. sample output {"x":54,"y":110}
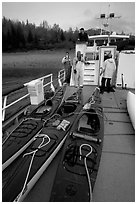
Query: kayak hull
{"x":71,"y":182}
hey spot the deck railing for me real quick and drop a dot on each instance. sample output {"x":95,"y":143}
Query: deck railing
{"x":60,"y":78}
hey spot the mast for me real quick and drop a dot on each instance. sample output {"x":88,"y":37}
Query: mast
{"x":107,"y":18}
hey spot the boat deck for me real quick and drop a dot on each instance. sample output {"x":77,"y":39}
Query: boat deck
{"x":116,"y":176}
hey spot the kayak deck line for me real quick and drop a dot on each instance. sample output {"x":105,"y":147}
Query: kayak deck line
{"x":33,"y":155}
{"x":86,"y":167}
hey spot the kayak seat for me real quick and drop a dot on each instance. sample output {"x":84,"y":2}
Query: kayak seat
{"x":67,"y":108}
{"x":89,"y":123}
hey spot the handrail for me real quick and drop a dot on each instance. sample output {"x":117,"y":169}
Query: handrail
{"x":61,"y":75}
{"x":11,"y":104}
{"x":41,"y":78}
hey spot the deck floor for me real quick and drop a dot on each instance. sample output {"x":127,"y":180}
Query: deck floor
{"x":116,"y":176}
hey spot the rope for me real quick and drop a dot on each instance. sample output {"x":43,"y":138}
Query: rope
{"x":43,"y":136}
{"x":85,"y":163}
{"x":51,"y":117}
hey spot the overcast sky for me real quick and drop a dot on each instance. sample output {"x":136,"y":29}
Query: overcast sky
{"x":73,"y":14}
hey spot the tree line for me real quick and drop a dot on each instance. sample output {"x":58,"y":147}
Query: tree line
{"x":26,"y":36}
{"x":18,"y":35}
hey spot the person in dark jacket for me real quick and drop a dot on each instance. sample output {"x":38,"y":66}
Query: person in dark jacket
{"x":82,"y":37}
{"x":66,"y":61}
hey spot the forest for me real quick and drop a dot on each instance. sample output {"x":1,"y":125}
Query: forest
{"x":24,"y":36}
{"x":18,"y":35}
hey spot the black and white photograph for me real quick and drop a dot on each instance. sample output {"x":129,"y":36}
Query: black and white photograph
{"x":68,"y":101}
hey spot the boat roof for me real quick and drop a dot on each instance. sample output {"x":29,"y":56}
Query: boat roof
{"x":116,"y":176}
{"x":103,"y":37}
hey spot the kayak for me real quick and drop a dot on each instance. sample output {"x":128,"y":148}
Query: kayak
{"x":48,"y":106}
{"x":131,"y":107}
{"x":24,"y":134}
{"x":19,"y":140}
{"x":79,"y":164}
{"x":27,"y":169}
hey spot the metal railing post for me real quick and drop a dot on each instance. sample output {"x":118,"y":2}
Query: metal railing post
{"x":44,"y":85}
{"x":4,"y":107}
{"x":59,"y":81}
{"x":51,"y":85}
{"x":64,"y":74}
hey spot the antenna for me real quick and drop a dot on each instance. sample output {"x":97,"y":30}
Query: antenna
{"x":107,"y":17}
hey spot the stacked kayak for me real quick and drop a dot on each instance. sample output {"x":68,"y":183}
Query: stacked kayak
{"x":30,"y":165}
{"x":79,"y":164}
{"x":24,"y":134}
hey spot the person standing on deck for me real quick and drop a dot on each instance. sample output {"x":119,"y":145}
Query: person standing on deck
{"x":78,"y":69}
{"x":108,"y":70}
{"x":83,"y":37}
{"x":67,"y":66}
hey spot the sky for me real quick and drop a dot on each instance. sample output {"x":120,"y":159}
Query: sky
{"x":73,"y":14}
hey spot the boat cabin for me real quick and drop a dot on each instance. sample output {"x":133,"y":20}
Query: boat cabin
{"x":96,"y":54}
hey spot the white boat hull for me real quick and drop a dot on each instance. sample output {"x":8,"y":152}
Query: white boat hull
{"x":131,"y":107}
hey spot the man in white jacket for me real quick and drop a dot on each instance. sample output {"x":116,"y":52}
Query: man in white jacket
{"x":78,"y":69}
{"x":108,"y":70}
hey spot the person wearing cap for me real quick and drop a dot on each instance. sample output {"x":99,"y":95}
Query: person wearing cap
{"x":82,"y":37}
{"x":108,"y":70}
{"x":66,"y":61}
